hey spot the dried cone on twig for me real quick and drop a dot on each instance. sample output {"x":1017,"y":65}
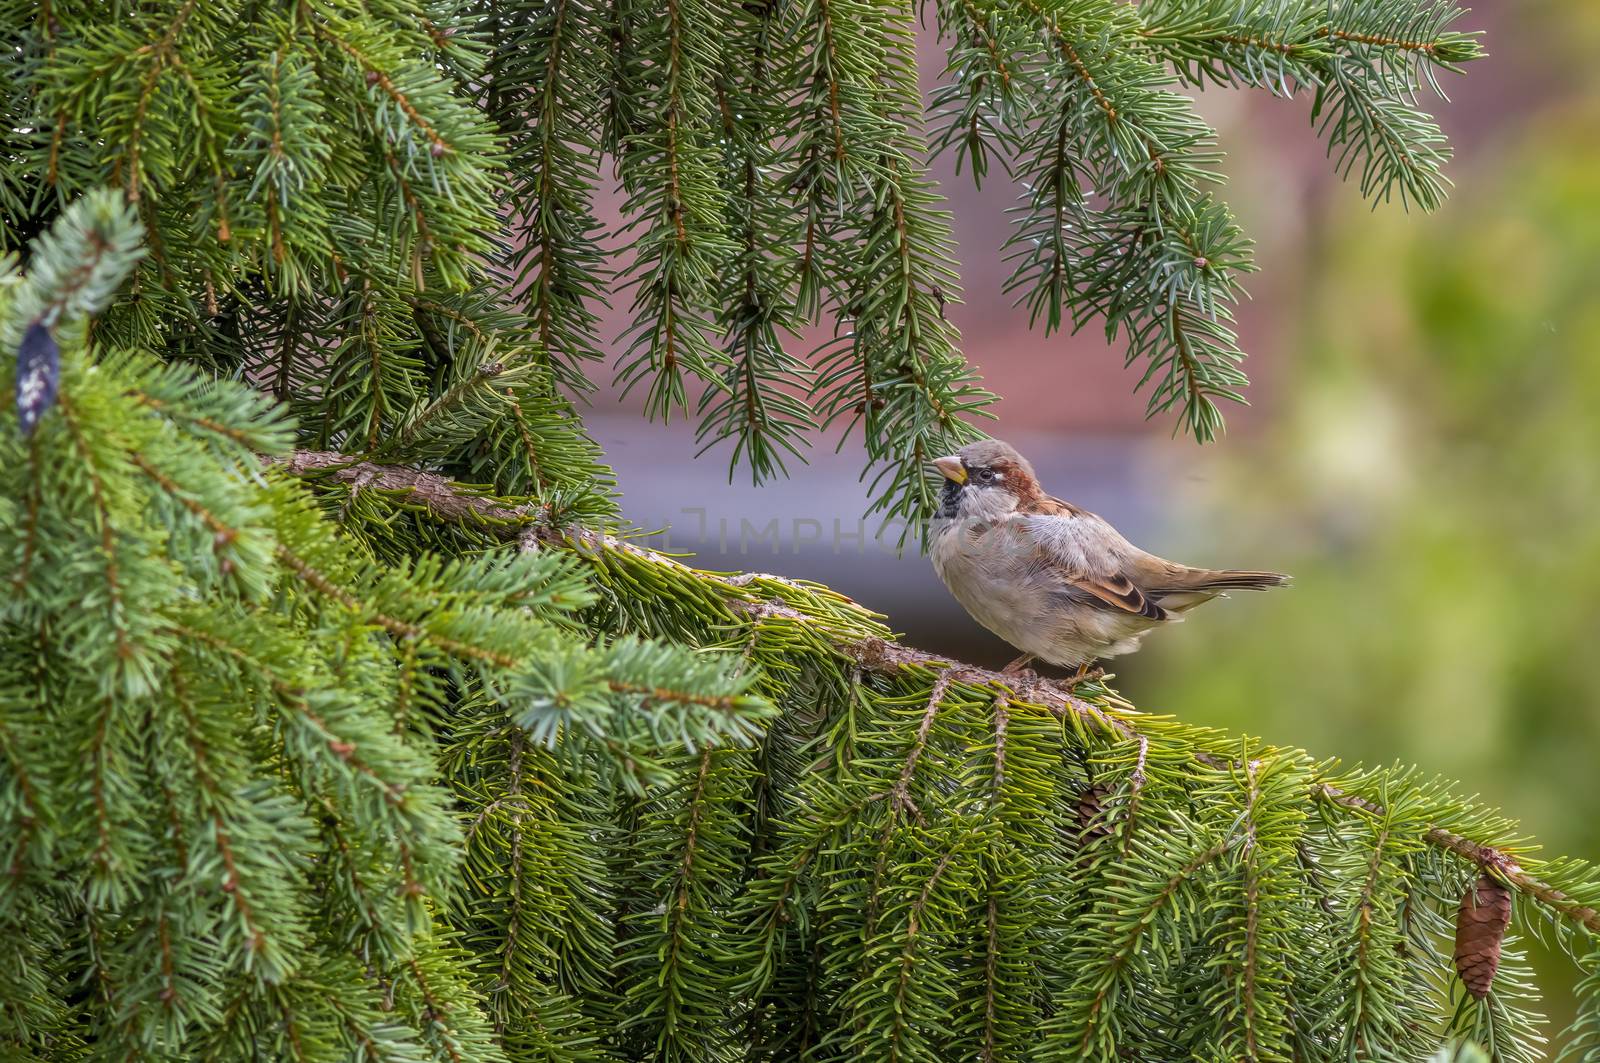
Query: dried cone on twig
{"x":1091,"y":820}
{"x":1481,"y":923}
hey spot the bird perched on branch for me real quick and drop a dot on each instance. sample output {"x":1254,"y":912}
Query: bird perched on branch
{"x":1057,"y":582}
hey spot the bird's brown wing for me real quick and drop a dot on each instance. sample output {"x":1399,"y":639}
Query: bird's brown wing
{"x":1086,"y":554}
{"x":1119,"y":592}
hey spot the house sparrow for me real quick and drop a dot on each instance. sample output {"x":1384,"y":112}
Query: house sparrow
{"x":1055,"y":581}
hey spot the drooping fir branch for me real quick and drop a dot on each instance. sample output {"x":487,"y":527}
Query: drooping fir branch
{"x":678,"y":897}
{"x":976,"y":111}
{"x":1154,"y":257}
{"x":1117,"y":223}
{"x":1364,"y":64}
{"x":762,"y":405}
{"x":217,"y":662}
{"x":854,"y":634}
{"x":529,"y":853}
{"x":677,"y":205}
{"x":877,"y":250}
{"x":167,"y":690}
{"x":548,"y":67}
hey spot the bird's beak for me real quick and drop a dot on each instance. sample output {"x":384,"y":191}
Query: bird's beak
{"x":951,"y":469}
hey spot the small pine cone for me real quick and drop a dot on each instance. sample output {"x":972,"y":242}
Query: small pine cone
{"x":1481,"y":923}
{"x":1091,"y":822}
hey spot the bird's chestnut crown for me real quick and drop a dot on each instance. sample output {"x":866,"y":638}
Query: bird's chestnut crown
{"x":988,"y":463}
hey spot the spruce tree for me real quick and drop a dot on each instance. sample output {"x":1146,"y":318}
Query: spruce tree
{"x":340,"y":718}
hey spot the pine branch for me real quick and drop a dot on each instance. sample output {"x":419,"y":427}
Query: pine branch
{"x":873,"y":653}
{"x":677,"y":203}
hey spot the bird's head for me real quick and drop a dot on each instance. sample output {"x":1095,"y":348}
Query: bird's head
{"x":985,"y":481}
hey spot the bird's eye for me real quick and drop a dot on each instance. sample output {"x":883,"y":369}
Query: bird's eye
{"x":985,"y":476}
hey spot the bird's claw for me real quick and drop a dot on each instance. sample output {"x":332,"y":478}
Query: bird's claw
{"x":1024,"y":678}
{"x":1020,"y":667}
{"x":1084,"y":675}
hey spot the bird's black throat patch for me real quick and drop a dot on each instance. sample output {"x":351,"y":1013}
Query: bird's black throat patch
{"x":950,"y":501}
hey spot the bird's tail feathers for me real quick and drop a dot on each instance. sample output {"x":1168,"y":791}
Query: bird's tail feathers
{"x":1238,"y":580}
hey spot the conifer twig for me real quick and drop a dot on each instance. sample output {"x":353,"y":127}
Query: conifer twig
{"x":457,"y":503}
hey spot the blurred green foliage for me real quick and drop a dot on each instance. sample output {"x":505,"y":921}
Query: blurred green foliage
{"x":1431,"y":475}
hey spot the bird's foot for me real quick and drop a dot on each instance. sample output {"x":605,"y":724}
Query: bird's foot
{"x":1019,"y":667}
{"x":1084,"y":674}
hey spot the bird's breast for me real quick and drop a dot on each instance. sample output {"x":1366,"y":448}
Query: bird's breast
{"x":999,"y":595}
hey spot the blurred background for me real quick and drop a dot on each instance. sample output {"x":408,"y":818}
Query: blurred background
{"x":1422,"y":452}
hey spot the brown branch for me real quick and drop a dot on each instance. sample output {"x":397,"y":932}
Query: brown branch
{"x":232,"y":884}
{"x":400,"y":629}
{"x":292,"y":698}
{"x":1130,"y":942}
{"x":900,"y":796}
{"x":990,"y":980}
{"x":53,"y":172}
{"x":1498,"y":861}
{"x":277,"y":192}
{"x":678,"y":912}
{"x":979,"y":29}
{"x":1252,"y":907}
{"x":434,"y":1011}
{"x":115,"y":609}
{"x":414,"y":205}
{"x":1002,"y":720}
{"x":527,"y":526}
{"x":1136,"y":783}
{"x":908,"y":954}
{"x":1427,"y":47}
{"x":834,"y":109}
{"x":244,"y":439}
{"x":722,"y":702}
{"x":169,"y":994}
{"x":162,"y":53}
{"x":1070,"y":53}
{"x":363,"y":895}
{"x":381,"y":79}
{"x":1247,"y":41}
{"x":529,"y":447}
{"x":30,"y":523}
{"x":991,"y":991}
{"x":28,"y":818}
{"x":514,"y":917}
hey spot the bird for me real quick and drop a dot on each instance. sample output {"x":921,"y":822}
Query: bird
{"x":1052,"y":579}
